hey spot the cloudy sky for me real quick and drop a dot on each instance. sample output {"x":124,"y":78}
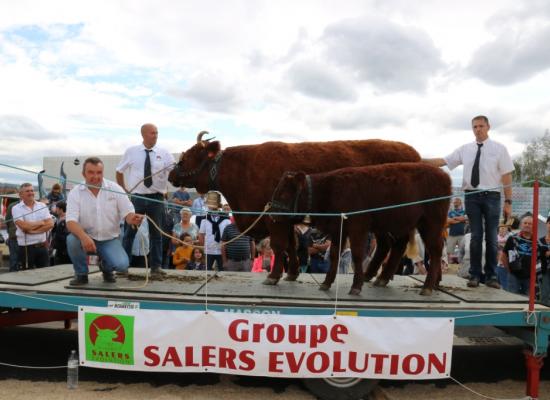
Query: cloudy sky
{"x":80,"y":77}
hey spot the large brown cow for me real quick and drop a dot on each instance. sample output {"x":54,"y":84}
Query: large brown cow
{"x":247,"y":176}
{"x":373,"y":187}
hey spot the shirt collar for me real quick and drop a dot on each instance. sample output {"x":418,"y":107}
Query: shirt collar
{"x":154,"y":148}
{"x":484,"y":142}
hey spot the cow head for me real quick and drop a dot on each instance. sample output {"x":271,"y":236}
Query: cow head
{"x":193,"y":163}
{"x":287,"y":195}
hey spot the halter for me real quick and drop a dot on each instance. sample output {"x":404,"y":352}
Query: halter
{"x":214,"y":165}
{"x":292,"y":206}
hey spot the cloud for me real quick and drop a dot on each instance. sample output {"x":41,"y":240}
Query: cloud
{"x":21,"y":127}
{"x":512,"y":57}
{"x":319,"y":81}
{"x":365,"y":117}
{"x":389,"y":56}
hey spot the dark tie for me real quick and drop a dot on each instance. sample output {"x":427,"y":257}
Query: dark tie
{"x":148,"y":181}
{"x":475,"y":170}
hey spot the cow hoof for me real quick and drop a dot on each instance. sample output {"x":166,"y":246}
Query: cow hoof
{"x":324,"y":287}
{"x":290,"y":278}
{"x":380,"y":282}
{"x":355,"y":292}
{"x":426,"y":292}
{"x":270,"y":281}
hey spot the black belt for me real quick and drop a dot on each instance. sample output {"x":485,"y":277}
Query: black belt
{"x":37,"y":245}
{"x":481,"y":192}
{"x":151,"y":195}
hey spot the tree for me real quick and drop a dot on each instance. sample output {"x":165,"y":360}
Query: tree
{"x":534,"y":162}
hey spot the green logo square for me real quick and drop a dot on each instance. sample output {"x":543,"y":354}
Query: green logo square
{"x":109,"y":338}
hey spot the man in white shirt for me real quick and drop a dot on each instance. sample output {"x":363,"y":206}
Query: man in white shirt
{"x":94,"y":212}
{"x":32,"y":220}
{"x":146,"y":168}
{"x":211,"y":231}
{"x":487,"y":166}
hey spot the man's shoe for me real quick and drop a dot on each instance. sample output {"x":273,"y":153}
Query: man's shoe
{"x":493,"y":283}
{"x":108,"y":277}
{"x":122,"y":274}
{"x":79,"y":280}
{"x":473,"y":282}
{"x":157,"y":272}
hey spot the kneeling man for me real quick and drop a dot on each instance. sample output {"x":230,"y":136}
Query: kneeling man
{"x":94,"y":212}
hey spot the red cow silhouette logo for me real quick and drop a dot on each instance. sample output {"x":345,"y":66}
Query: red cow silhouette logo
{"x":107,"y":333}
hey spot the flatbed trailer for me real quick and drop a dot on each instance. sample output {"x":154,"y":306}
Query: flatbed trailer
{"x":45,"y":295}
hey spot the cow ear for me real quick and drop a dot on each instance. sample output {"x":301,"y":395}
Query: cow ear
{"x":213,"y":148}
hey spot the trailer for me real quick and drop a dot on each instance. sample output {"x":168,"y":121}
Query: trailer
{"x":41,"y":295}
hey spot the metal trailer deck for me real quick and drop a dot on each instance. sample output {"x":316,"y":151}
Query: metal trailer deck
{"x":45,"y":295}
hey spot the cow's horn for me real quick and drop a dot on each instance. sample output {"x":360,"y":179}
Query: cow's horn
{"x":200,"y":135}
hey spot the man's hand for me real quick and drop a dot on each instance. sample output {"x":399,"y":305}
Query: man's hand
{"x":134,"y":219}
{"x":508,"y":209}
{"x":88,"y":244}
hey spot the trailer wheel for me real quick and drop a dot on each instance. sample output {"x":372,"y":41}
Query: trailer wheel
{"x":340,"y":388}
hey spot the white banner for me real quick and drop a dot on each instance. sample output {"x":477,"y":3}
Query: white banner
{"x":254,"y":344}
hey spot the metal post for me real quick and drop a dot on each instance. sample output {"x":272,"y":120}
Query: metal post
{"x":533,"y":364}
{"x":534,"y":240}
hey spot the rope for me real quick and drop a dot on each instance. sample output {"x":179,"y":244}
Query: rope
{"x":485,"y":396}
{"x":150,"y":176}
{"x":338,"y":266}
{"x":32,"y":367}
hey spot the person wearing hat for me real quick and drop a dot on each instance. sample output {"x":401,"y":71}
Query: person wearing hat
{"x":544,"y":251}
{"x":211,"y":231}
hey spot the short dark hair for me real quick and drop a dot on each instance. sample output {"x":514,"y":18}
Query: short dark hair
{"x":61,"y":204}
{"x":483,"y":117}
{"x":91,"y":160}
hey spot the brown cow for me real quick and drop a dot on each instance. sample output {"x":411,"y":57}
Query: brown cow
{"x":247,"y":175}
{"x":372,"y":187}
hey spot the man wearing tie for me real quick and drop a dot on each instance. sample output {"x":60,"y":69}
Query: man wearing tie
{"x":146,"y":167}
{"x":487,"y":166}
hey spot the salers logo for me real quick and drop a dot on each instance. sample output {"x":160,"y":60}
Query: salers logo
{"x":109,"y":339}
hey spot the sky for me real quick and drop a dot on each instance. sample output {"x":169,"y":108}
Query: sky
{"x":81,"y":77}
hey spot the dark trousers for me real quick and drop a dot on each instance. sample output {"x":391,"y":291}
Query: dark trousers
{"x":153,"y":206}
{"x":210,"y":261}
{"x":14,"y":254}
{"x":483,"y":210}
{"x":33,"y":257}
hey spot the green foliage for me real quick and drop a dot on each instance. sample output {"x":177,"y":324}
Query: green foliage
{"x":534,"y":162}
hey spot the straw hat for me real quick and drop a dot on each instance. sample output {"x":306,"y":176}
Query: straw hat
{"x":213,"y":200}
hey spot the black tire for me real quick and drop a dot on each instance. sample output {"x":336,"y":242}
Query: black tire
{"x":340,"y":388}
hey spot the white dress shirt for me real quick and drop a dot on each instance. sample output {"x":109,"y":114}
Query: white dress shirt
{"x":38,"y":212}
{"x":494,"y":162}
{"x":99,"y":216}
{"x":133,"y":165}
{"x":210,"y":244}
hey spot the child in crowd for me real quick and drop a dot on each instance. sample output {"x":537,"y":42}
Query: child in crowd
{"x":265,"y":259}
{"x":197,"y":260}
{"x":182,"y":254}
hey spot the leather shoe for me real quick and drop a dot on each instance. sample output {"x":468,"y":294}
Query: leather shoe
{"x":493,"y":283}
{"x":109,"y":277}
{"x":473,"y":282}
{"x":157,"y":272}
{"x":79,"y":280}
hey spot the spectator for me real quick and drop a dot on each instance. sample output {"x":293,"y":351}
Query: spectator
{"x":33,"y":222}
{"x":487,"y":166}
{"x":464,"y":255}
{"x":55,"y":196}
{"x":60,"y":233}
{"x":140,"y":247}
{"x":211,"y":231}
{"x":264,"y":261}
{"x":197,"y":260}
{"x":180,"y":198}
{"x":186,"y":226}
{"x":517,"y":257}
{"x":237,"y":254}
{"x":146,"y":166}
{"x":457,"y":224}
{"x":198,"y":208}
{"x":318,"y":246}
{"x":182,"y":254}
{"x":12,"y":239}
{"x":302,"y":232}
{"x":502,"y":273}
{"x":544,"y":251}
{"x":167,"y":226}
{"x":508,"y":219}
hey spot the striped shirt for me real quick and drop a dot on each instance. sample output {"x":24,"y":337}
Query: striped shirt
{"x":240,"y":248}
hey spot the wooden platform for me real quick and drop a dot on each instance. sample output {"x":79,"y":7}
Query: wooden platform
{"x":240,"y":288}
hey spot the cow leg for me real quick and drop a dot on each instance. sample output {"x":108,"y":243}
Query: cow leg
{"x":357,"y":244}
{"x":279,"y":243}
{"x":383,"y":244}
{"x":433,"y":242}
{"x":293,"y":264}
{"x":389,"y":269}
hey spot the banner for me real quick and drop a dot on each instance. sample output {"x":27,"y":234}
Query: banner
{"x":254,"y":344}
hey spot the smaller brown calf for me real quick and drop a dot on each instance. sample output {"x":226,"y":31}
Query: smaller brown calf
{"x":387,"y":186}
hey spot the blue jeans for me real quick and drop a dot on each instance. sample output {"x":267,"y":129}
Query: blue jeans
{"x":14,"y":257}
{"x":518,"y":285}
{"x":153,"y":206}
{"x":113,"y":257}
{"x":319,"y":265}
{"x":483,"y":210}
